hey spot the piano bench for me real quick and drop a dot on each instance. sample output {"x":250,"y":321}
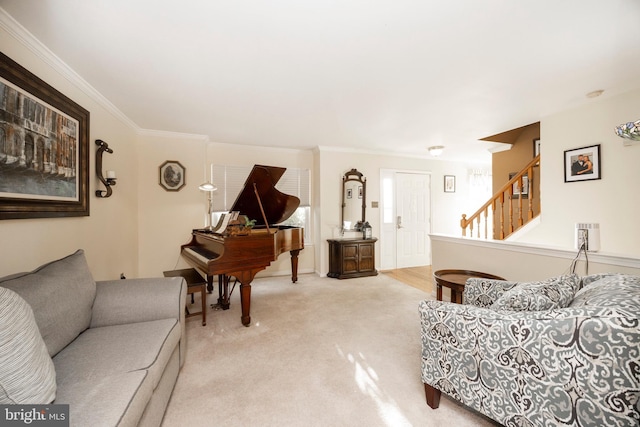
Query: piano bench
{"x":195,"y":283}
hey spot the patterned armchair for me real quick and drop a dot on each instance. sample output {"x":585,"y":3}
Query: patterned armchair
{"x":562,"y":352}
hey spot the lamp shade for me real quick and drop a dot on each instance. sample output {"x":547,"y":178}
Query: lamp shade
{"x":207,"y":186}
{"x":436,"y":150}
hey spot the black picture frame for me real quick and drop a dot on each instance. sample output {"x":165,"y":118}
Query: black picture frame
{"x":44,"y":148}
{"x":172,"y":175}
{"x":515,"y":190}
{"x":449,"y":183}
{"x":590,"y":170}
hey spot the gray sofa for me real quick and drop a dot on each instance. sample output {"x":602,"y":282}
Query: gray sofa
{"x":111,"y":350}
{"x":560,"y":352}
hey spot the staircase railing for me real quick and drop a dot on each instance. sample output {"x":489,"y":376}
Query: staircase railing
{"x":505,"y":217}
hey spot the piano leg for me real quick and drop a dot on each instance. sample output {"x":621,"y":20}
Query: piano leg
{"x":245,"y":278}
{"x":245,"y":300}
{"x":209,"y":283}
{"x":294,"y":265}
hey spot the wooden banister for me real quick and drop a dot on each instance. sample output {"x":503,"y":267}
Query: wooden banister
{"x":507,"y":223}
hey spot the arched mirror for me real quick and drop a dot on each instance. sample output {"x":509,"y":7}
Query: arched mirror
{"x":354,"y":200}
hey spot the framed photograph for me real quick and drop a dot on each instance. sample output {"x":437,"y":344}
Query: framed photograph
{"x":44,"y":148}
{"x":349,"y":193}
{"x":516,"y":193}
{"x":172,"y":175}
{"x":536,"y":147}
{"x":582,"y":164}
{"x":449,"y":183}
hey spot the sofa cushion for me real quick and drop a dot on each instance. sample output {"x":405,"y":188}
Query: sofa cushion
{"x":620,"y":292}
{"x":483,"y":292}
{"x":587,"y":280}
{"x":61,"y":294}
{"x":556,"y":292}
{"x":122,"y":364}
{"x":27,"y":374}
{"x":120,"y":348}
{"x":107,"y":400}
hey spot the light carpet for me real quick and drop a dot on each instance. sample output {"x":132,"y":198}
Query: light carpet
{"x":321,"y":352}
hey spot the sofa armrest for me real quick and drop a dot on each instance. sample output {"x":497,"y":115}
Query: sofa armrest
{"x":484,"y":292}
{"x":507,"y":364}
{"x":141,"y":300}
{"x":138,"y":300}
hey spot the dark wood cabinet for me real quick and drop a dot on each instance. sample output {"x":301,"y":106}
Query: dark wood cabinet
{"x":352,"y":258}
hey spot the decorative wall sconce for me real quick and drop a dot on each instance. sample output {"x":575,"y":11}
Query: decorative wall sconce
{"x":110,"y":180}
{"x":436,"y":150}
{"x":629,"y":130}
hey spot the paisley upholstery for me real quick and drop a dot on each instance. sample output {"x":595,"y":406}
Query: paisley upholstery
{"x":569,"y":366}
{"x":556,"y":292}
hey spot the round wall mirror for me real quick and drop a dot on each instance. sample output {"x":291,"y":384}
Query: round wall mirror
{"x":354,"y":200}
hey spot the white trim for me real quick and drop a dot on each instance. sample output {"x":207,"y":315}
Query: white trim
{"x":598,"y":257}
{"x":323,"y":148}
{"x":173,"y":135}
{"x":222,"y":145}
{"x":24,"y":37}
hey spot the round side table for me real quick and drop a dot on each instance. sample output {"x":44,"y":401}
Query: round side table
{"x":455,"y":280}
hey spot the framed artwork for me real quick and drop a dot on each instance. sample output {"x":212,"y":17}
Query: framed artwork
{"x":515,"y":191}
{"x":44,"y":148}
{"x":582,"y":164}
{"x":172,"y":175}
{"x":536,"y":147}
{"x":449,"y":183}
{"x":360,"y":192}
{"x":349,"y":193}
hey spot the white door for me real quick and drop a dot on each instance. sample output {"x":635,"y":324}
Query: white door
{"x":413,"y":219}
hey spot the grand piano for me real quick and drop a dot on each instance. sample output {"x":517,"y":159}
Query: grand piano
{"x":229,"y":255}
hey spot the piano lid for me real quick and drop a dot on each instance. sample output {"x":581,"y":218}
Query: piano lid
{"x":277,"y":205}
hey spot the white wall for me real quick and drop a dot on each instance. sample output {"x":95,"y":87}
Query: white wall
{"x":521,"y":262}
{"x":548,"y":249}
{"x":138,"y":231}
{"x":168,"y":218}
{"x":447,"y":208}
{"x":611,"y":201}
{"x":109,"y":235}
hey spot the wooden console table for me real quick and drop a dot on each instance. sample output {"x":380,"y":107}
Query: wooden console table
{"x":350,"y":258}
{"x":455,"y":280}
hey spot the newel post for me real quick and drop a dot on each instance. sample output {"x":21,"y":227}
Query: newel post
{"x":463,"y":224}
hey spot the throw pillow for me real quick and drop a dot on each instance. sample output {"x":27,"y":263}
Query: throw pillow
{"x":587,"y":280}
{"x":61,"y":294}
{"x":556,"y":292}
{"x":27,"y":373}
{"x":615,"y":291}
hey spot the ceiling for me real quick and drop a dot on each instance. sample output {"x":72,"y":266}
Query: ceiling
{"x":381,"y":76}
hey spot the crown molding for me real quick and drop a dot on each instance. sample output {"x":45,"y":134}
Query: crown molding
{"x":28,"y":40}
{"x":229,"y":145}
{"x":327,"y":148}
{"x":172,"y":135}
